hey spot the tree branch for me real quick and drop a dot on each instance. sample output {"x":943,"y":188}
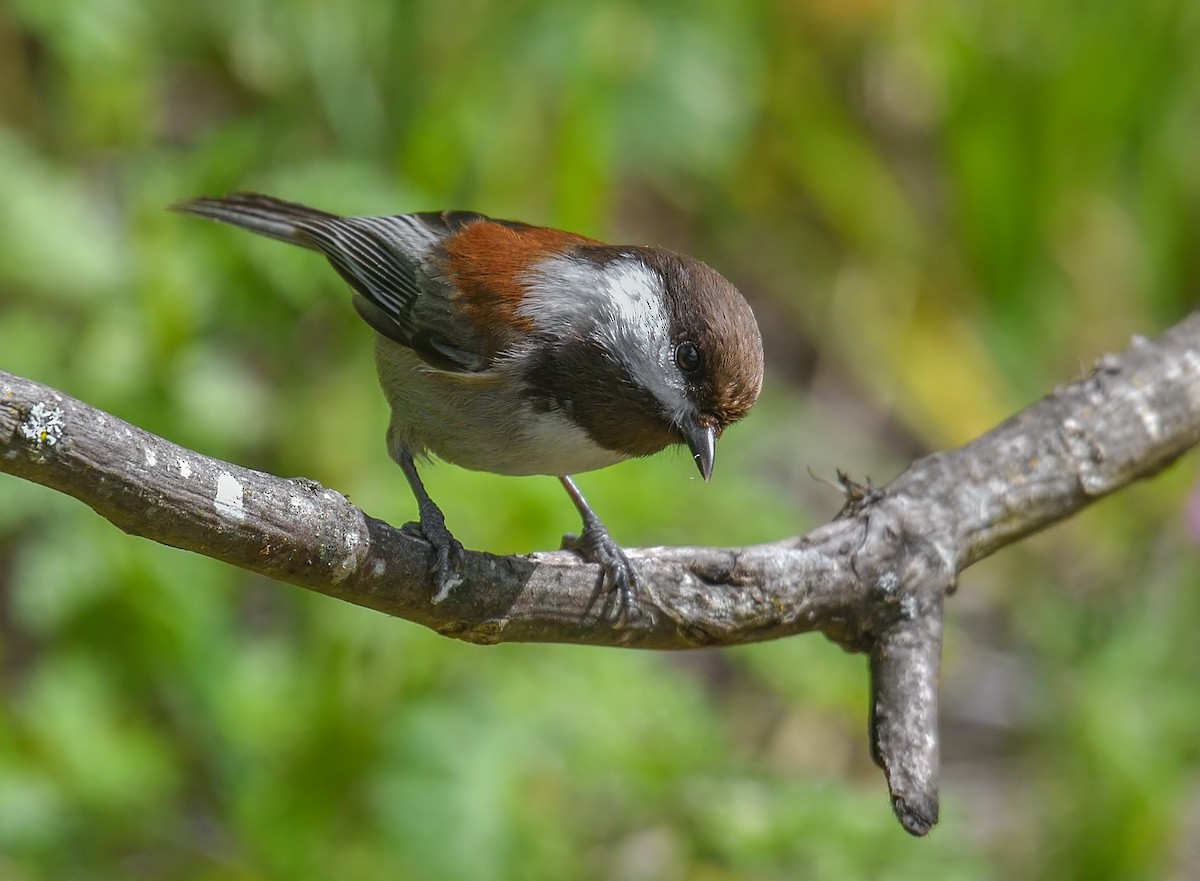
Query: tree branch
{"x":873,"y":580}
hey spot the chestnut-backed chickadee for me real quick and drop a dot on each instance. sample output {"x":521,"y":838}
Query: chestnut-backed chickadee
{"x":518,"y":349}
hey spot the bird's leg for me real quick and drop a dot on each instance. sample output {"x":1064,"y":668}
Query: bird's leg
{"x":433,"y":525}
{"x":595,"y":545}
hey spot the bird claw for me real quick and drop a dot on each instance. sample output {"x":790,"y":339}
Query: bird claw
{"x":448,"y":555}
{"x":617,"y":574}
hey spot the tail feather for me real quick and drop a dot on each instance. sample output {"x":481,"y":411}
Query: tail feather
{"x":264,"y":215}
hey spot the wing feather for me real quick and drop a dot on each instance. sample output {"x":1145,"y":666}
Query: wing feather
{"x":447,"y":285}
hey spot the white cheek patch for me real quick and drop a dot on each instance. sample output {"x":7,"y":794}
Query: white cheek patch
{"x":637,"y":329}
{"x":635,"y":299}
{"x":570,"y":294}
{"x":620,"y":305}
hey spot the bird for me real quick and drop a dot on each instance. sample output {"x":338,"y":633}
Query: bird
{"x":518,"y":349}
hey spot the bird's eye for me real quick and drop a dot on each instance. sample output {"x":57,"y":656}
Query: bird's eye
{"x":687,"y":356}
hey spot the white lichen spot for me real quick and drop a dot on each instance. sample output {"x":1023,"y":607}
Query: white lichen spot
{"x":229,"y":497}
{"x":302,"y":508}
{"x":908,"y":605}
{"x":43,"y":426}
{"x":348,"y":564}
{"x":1150,"y":421}
{"x":344,"y":569}
{"x":889,"y":581}
{"x":449,"y":585}
{"x":1094,"y":483}
{"x":185,"y":469}
{"x":1191,"y":361}
{"x":378,"y":567}
{"x":151,"y":458}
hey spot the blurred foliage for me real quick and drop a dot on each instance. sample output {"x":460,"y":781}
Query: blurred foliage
{"x":938,"y":211}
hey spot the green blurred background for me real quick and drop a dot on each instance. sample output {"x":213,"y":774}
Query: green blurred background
{"x":938,"y":210}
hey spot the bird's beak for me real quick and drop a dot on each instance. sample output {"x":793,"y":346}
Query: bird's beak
{"x":702,"y":441}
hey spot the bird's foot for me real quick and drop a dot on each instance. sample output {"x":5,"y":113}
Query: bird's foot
{"x":448,"y":552}
{"x":617,"y":575}
{"x":447,"y":549}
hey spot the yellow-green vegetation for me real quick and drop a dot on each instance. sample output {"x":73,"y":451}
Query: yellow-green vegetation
{"x":938,"y":210}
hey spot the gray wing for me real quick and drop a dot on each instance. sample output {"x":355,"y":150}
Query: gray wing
{"x":390,"y":262}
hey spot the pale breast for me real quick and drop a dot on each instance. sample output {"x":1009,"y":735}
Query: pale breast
{"x":478,"y":421}
{"x":562,"y":447}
